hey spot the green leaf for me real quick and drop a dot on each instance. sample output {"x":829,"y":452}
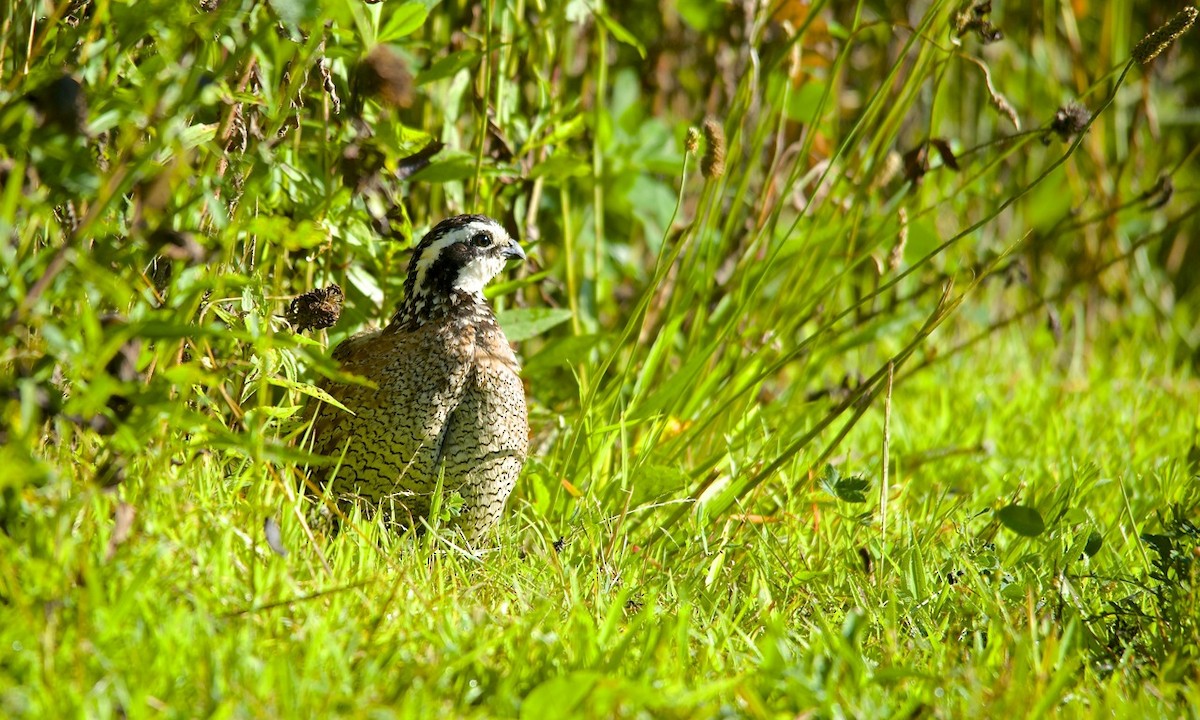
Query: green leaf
{"x":569,"y":128}
{"x":295,"y":12}
{"x":524,"y":323}
{"x":561,"y":165}
{"x":403,"y":21}
{"x":561,"y":351}
{"x":448,"y":66}
{"x":701,"y":14}
{"x":619,"y":32}
{"x":274,"y":412}
{"x":310,"y":390}
{"x":848,"y":489}
{"x":447,"y":169}
{"x":167,"y":330}
{"x":196,"y":135}
{"x":365,"y":283}
{"x":559,"y":695}
{"x":653,"y":481}
{"x":1022,"y":519}
{"x":1094,"y":542}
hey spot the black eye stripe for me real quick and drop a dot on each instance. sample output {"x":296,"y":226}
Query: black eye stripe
{"x":481,"y":239}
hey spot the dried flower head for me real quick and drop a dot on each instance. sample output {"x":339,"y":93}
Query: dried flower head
{"x":316,"y":309}
{"x":693,"y":140}
{"x":974,"y":19}
{"x":896,"y":256}
{"x":1070,"y":120}
{"x":713,"y":163}
{"x":384,"y":74}
{"x":1162,"y":38}
{"x":889,"y":168}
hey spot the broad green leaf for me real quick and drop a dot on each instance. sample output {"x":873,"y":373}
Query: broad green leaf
{"x":402,"y":21}
{"x":1022,"y":520}
{"x":365,"y":283}
{"x":195,"y":135}
{"x":524,"y":323}
{"x":571,"y":127}
{"x":558,"y":696}
{"x":619,"y":32}
{"x":561,"y":165}
{"x":296,"y":12}
{"x":848,"y":489}
{"x":653,"y":481}
{"x":447,"y":170}
{"x":561,"y":351}
{"x":448,"y":66}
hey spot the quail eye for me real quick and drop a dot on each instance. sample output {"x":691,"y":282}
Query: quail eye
{"x":481,"y":239}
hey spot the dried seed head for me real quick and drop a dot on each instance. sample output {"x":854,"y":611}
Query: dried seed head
{"x":384,"y":74}
{"x":974,"y":19}
{"x":1070,"y":120}
{"x":713,"y":163}
{"x":889,"y":168}
{"x":1162,"y":38}
{"x":693,"y":140}
{"x":896,"y":256}
{"x":316,"y":309}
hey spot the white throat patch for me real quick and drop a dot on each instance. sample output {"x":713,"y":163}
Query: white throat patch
{"x":477,"y":274}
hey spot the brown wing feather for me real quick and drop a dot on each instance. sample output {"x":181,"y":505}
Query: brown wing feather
{"x":389,"y":448}
{"x":487,"y":437}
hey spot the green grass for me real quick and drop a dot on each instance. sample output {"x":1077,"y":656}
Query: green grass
{"x":195,"y":613}
{"x":700,"y":531}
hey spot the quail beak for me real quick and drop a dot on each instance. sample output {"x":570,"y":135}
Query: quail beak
{"x":512,"y":251}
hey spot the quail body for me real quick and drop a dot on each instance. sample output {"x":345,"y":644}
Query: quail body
{"x":447,"y":397}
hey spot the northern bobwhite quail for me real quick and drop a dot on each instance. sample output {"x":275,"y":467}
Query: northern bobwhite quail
{"x":448,"y":398}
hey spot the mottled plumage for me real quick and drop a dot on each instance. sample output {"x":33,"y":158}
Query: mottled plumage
{"x":448,"y":397}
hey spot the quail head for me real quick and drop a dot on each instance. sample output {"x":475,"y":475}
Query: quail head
{"x":444,"y":397}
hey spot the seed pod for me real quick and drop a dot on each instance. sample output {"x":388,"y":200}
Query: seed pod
{"x":384,"y":75}
{"x":316,"y":309}
{"x":1153,"y":44}
{"x":1070,"y":120}
{"x":713,"y":163}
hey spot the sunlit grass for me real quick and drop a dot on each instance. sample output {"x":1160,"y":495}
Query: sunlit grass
{"x":699,"y":531}
{"x":194,"y":611}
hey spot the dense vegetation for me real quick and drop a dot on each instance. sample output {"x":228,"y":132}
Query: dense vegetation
{"x":861,"y":345}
